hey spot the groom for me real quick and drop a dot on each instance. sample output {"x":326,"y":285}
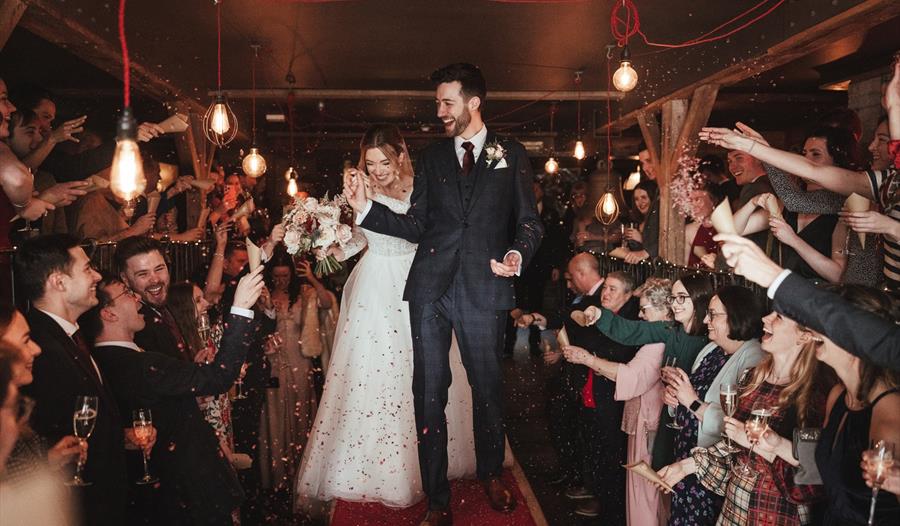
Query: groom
{"x":473,"y":215}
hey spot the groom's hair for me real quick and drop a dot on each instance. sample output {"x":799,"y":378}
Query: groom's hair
{"x":467,"y":74}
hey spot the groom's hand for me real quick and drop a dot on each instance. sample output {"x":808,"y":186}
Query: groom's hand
{"x":509,"y":267}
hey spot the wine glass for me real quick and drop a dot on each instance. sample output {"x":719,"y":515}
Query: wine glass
{"x":203,"y":326}
{"x":83,"y":420}
{"x":728,"y":400}
{"x":671,"y":361}
{"x":879,"y":459}
{"x":142,"y":423}
{"x":239,"y":388}
{"x":754,"y":427}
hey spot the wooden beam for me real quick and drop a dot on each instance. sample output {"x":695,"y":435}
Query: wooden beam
{"x":52,"y":22}
{"x":194,"y":153}
{"x":10,"y":13}
{"x":671,"y":224}
{"x":370,"y":94}
{"x":701,"y":106}
{"x":854,"y":20}
{"x":650,"y":131}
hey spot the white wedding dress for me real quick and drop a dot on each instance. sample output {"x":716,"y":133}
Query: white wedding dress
{"x":363,"y":443}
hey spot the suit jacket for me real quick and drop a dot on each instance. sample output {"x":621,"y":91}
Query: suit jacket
{"x":586,"y":337}
{"x":856,"y":330}
{"x":457,"y":239}
{"x":156,"y":335}
{"x":61,"y":374}
{"x":192,"y":470}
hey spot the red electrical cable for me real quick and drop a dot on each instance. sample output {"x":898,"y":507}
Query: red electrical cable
{"x":622,"y":34}
{"x":608,"y":124}
{"x":219,"y":34}
{"x":126,"y":63}
{"x":253,"y":102}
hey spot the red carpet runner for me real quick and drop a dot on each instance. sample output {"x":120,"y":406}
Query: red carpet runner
{"x":470,"y":507}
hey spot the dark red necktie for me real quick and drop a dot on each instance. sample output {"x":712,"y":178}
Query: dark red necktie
{"x":84,"y":353}
{"x":468,"y":158}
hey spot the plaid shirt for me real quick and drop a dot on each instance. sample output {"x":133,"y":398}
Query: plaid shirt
{"x":769,"y":496}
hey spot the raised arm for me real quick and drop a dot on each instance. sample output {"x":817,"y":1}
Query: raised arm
{"x":840,"y":180}
{"x":798,"y":200}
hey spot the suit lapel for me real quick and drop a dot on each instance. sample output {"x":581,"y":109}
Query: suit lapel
{"x":453,"y":174}
{"x":482,"y":170}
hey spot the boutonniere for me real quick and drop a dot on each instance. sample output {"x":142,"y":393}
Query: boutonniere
{"x":494,"y":152}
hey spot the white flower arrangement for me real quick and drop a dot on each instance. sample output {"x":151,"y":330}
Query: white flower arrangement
{"x":494,"y":152}
{"x":314,"y":225}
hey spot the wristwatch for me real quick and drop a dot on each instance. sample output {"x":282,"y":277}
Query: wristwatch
{"x":695,"y":405}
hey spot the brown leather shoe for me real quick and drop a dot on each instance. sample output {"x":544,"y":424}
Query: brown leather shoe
{"x":500,"y":497}
{"x":437,"y":518}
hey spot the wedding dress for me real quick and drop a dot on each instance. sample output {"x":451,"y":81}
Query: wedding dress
{"x":363,"y":443}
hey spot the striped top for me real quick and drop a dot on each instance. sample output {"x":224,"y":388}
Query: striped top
{"x":886,"y":189}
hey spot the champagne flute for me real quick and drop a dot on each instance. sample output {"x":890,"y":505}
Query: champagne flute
{"x":728,"y":401}
{"x":754,"y":427}
{"x":879,"y":459}
{"x":671,"y":361}
{"x":203,"y":326}
{"x":239,"y":388}
{"x":142,"y":423}
{"x":83,"y":420}
{"x":846,"y":250}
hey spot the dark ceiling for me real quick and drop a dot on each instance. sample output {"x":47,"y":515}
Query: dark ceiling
{"x":395,"y":44}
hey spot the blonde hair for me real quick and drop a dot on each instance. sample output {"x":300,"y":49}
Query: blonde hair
{"x":805,"y":383}
{"x":657,"y":292}
{"x":388,"y":140}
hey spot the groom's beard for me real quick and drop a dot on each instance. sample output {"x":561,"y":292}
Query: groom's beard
{"x":459,"y":124}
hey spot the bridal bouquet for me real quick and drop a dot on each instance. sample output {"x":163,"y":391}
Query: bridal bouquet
{"x":314,"y":225}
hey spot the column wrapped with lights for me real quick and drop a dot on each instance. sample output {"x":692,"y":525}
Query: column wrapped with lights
{"x":254,"y":164}
{"x":220,"y":125}
{"x":126,"y":176}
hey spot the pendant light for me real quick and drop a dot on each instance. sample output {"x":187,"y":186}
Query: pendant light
{"x":126,"y":176}
{"x":579,"y":146}
{"x":254,"y":164}
{"x":625,"y":78}
{"x":219,"y":123}
{"x":607,"y":209}
{"x":551,"y":166}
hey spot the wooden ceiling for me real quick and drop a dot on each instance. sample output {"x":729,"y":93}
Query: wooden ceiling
{"x":394,"y":44}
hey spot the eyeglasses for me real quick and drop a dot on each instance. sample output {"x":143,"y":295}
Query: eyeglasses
{"x":679,"y":299}
{"x":127,"y":291}
{"x":645,"y":307}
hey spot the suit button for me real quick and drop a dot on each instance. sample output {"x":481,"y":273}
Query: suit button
{"x":465,"y":225}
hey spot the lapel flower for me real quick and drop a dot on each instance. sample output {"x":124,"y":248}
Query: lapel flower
{"x":494,"y":152}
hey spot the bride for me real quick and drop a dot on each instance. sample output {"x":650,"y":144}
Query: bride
{"x":363,"y":443}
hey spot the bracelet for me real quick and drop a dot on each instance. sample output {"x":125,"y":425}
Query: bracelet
{"x":17,"y":205}
{"x":217,"y":255}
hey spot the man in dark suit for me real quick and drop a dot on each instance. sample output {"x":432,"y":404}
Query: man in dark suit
{"x":56,"y":276}
{"x":564,"y":388}
{"x":197,"y":482}
{"x":142,"y":266}
{"x":468,"y":190}
{"x":858,"y":331}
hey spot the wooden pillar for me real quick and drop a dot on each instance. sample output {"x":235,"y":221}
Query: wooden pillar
{"x":10,"y":14}
{"x":196,"y":152}
{"x":681,"y":123}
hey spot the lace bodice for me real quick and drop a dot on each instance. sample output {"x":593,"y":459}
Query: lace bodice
{"x":379,"y":243}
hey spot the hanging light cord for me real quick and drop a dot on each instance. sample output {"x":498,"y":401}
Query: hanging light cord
{"x":290,"y":101}
{"x":608,"y":123}
{"x":626,"y":27}
{"x":126,"y":62}
{"x":219,"y":36}
{"x":253,"y":99}
{"x":578,"y":124}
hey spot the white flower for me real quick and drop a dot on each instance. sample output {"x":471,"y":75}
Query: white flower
{"x":494,"y":152}
{"x":326,"y":238}
{"x":344,"y":233}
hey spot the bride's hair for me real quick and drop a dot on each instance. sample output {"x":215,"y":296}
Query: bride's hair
{"x":386,"y":138}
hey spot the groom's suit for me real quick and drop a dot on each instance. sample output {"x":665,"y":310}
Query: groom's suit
{"x":461,"y":222}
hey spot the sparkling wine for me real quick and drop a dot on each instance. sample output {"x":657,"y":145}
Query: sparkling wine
{"x":84,"y":422}
{"x":756,"y":425}
{"x":728,"y":401}
{"x":142,"y":431}
{"x":878,"y":468}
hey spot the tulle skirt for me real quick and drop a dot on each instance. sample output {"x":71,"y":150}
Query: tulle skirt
{"x":363,"y":443}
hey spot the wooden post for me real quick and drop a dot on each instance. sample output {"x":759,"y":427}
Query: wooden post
{"x":671,"y":224}
{"x":650,"y":131}
{"x":10,"y":14}
{"x":195,"y":153}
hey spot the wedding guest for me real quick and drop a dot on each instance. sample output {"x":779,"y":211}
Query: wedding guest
{"x":197,"y":483}
{"x":304,"y":312}
{"x":648,"y":167}
{"x":732,"y":322}
{"x":785,"y":385}
{"x":565,"y":397}
{"x":601,"y":412}
{"x":574,"y":208}
{"x":638,"y":384}
{"x":56,"y":276}
{"x":851,"y":328}
{"x":643,"y":241}
{"x":683,"y":340}
{"x":862,"y":409}
{"x":700,"y":231}
{"x":721,"y":185}
{"x":31,"y":452}
{"x":750,"y":175}
{"x":143,"y":267}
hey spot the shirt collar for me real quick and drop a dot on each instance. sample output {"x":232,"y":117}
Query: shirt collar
{"x":68,"y":327}
{"x":112,"y":343}
{"x":477,"y":140}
